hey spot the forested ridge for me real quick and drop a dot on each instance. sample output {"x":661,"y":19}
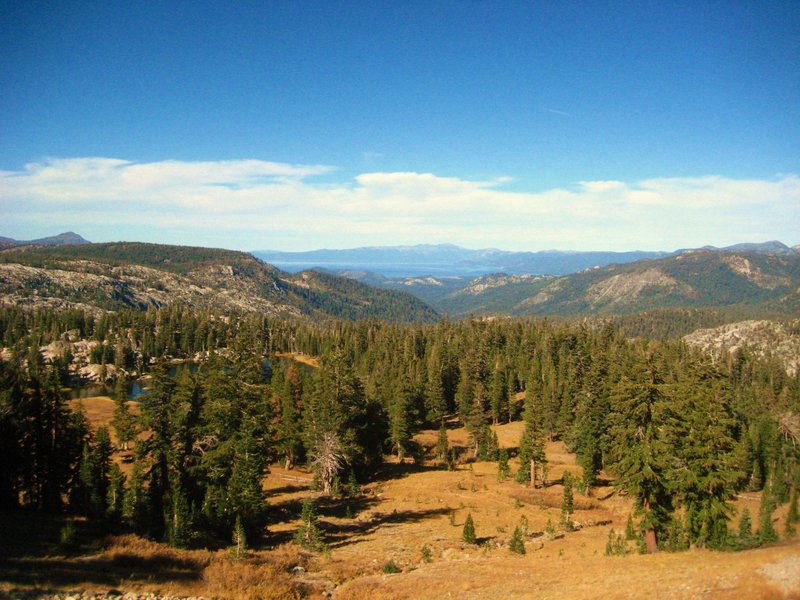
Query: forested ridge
{"x":732,"y":284}
{"x":121,"y":275}
{"x":679,"y":433}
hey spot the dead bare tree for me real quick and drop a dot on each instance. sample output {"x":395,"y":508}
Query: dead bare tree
{"x":328,"y":459}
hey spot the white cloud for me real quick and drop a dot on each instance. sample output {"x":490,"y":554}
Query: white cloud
{"x":251,"y":204}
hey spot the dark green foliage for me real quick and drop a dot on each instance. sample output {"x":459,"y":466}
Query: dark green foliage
{"x":641,"y":458}
{"x":531,"y":444}
{"x":442,"y":444}
{"x":289,"y":432}
{"x":123,"y":421}
{"x":792,"y":517}
{"x":503,"y":470}
{"x":426,"y":555}
{"x":435,"y":402}
{"x":630,"y":532}
{"x":678,"y":433}
{"x":308,"y":534}
{"x":239,"y":538}
{"x":701,"y":431}
{"x":746,"y":538}
{"x":766,"y":530}
{"x":468,"y":533}
{"x":116,"y":493}
{"x":675,"y":538}
{"x":517,"y":543}
{"x":615,"y":546}
{"x":390,"y":567}
{"x":567,"y":503}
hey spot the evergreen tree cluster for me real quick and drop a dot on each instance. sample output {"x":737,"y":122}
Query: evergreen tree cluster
{"x":678,"y":432}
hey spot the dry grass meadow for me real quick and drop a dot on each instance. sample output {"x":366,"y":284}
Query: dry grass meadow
{"x":408,"y":507}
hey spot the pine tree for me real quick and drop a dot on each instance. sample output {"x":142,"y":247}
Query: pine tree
{"x":435,"y":404}
{"x":745,"y":528}
{"x":498,"y":396}
{"x":792,"y":515}
{"x":468,"y":533}
{"x":567,"y":503}
{"x":116,"y":493}
{"x":700,"y":430}
{"x":289,"y":440}
{"x":503,"y":470}
{"x":308,"y":534}
{"x":400,"y":417}
{"x":640,"y":456}
{"x":101,"y":472}
{"x":532,"y":459}
{"x":179,"y":526}
{"x":517,"y":543}
{"x":239,"y":538}
{"x":766,"y":530}
{"x":442,"y":444}
{"x":630,"y":532}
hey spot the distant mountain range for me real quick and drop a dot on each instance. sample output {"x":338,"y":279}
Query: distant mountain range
{"x":62,"y":239}
{"x":747,"y":284}
{"x":450,"y":260}
{"x":738,"y":282}
{"x":447,"y":259}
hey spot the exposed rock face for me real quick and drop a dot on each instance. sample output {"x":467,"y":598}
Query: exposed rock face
{"x":109,"y":277}
{"x":480,"y":285}
{"x":543,"y":297}
{"x":627,"y":287}
{"x":767,"y":339}
{"x":82,"y":284}
{"x":742,"y":266}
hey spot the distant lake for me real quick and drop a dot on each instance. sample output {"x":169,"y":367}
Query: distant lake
{"x":390,"y":269}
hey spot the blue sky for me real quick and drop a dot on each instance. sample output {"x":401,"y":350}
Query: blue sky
{"x":298,"y":125}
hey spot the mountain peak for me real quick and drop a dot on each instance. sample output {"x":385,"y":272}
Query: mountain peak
{"x":67,"y":238}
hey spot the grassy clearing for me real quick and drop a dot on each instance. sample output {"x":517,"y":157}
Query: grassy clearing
{"x":407,"y":508}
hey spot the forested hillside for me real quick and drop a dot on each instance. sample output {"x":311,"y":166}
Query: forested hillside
{"x":677,"y":431}
{"x":735,"y":285}
{"x":136,"y":275}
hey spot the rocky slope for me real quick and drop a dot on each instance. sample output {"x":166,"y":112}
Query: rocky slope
{"x":139,"y":276}
{"x":767,"y":339}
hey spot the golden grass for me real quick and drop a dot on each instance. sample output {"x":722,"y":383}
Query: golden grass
{"x":311,"y":361}
{"x":414,"y":505}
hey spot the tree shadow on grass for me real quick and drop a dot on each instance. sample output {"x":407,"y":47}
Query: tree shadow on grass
{"x":389,"y":471}
{"x":339,"y":535}
{"x":99,"y":571}
{"x":340,"y":508}
{"x":289,"y":489}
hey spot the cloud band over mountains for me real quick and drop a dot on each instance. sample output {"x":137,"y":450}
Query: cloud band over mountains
{"x":252,"y":204}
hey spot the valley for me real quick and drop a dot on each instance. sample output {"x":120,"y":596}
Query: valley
{"x":243,"y":432}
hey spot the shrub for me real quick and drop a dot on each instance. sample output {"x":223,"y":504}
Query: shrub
{"x":425,"y":553}
{"x":615,"y":546}
{"x":390,"y":567}
{"x":67,"y":537}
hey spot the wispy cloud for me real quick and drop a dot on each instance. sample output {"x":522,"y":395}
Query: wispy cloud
{"x":556,"y":111}
{"x":250,"y":204}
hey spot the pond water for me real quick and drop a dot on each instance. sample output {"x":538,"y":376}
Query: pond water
{"x":136,"y":387}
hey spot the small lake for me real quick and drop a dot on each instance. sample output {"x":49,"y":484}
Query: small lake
{"x":136,"y":388}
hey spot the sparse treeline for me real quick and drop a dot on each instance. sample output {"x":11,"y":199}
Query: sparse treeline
{"x":680,"y":434}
